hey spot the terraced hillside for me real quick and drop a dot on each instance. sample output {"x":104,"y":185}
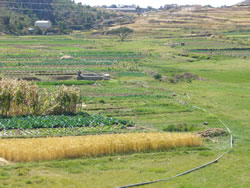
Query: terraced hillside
{"x":172,"y":67}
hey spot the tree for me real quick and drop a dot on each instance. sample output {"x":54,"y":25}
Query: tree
{"x":6,"y":22}
{"x":113,"y":6}
{"x":37,"y":30}
{"x":62,"y":27}
{"x":122,"y":32}
{"x":73,"y":15}
{"x":150,"y":8}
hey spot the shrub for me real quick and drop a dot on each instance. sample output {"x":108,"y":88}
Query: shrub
{"x":180,"y":128}
{"x":157,"y":76}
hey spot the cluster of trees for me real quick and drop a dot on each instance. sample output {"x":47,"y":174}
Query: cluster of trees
{"x":16,"y":16}
{"x":14,"y":23}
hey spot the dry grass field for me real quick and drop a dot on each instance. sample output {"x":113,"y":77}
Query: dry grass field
{"x":193,"y":21}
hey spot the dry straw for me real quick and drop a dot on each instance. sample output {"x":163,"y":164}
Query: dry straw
{"x":37,"y":149}
{"x":25,"y":98}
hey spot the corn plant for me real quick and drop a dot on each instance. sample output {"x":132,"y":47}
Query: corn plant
{"x":65,"y":100}
{"x":25,"y":98}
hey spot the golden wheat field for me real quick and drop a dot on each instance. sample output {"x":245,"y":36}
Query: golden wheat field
{"x":36,"y":149}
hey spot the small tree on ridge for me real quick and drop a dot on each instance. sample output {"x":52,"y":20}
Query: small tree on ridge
{"x":122,"y":32}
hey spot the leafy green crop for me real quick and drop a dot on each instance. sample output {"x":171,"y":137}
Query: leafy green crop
{"x":66,"y":82}
{"x":69,"y":63}
{"x":62,"y":121}
{"x":135,"y":74}
{"x":105,"y":54}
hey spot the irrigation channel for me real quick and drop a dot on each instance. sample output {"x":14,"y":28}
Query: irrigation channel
{"x":196,"y":168}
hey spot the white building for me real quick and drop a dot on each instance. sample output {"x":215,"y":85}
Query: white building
{"x":123,"y":9}
{"x":44,"y":24}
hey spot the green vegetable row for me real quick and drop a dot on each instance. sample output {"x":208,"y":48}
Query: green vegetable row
{"x":70,"y":62}
{"x":104,"y":54}
{"x":67,"y":63}
{"x":59,"y":121}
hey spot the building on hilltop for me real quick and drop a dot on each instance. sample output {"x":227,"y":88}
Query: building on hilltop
{"x":44,"y":24}
{"x":170,"y":6}
{"x":123,"y":9}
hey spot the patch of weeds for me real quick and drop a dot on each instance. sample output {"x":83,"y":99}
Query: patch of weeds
{"x":22,"y":172}
{"x":102,"y":101}
{"x":157,"y":170}
{"x":74,"y":170}
{"x":206,"y":153}
{"x":200,"y":149}
{"x":110,"y":159}
{"x":188,"y":77}
{"x":213,"y":132}
{"x":28,"y":182}
{"x":200,"y":57}
{"x":180,"y":128}
{"x":157,"y":76}
{"x":103,"y":167}
{"x":4,"y":175}
{"x":38,"y":179}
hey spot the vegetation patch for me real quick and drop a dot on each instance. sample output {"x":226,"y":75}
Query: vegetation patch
{"x":24,"y":98}
{"x":188,"y":77}
{"x":181,"y":128}
{"x":65,"y":82}
{"x":66,"y":131}
{"x":132,"y":74}
{"x":56,"y":121}
{"x":38,"y":149}
{"x":213,"y":132}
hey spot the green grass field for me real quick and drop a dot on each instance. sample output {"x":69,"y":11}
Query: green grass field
{"x":134,"y":94}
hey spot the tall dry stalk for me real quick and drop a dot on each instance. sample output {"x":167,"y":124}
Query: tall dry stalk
{"x":25,"y":98}
{"x":66,"y":99}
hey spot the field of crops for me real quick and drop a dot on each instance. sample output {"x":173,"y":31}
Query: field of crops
{"x":54,"y":67}
{"x":19,"y":150}
{"x":79,"y":120}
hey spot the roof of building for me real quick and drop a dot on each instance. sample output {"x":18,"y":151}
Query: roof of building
{"x":123,"y":9}
{"x":42,"y":21}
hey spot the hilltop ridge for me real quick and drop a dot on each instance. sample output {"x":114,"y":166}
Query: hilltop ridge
{"x":245,"y":3}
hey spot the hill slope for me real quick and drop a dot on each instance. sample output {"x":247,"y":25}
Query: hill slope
{"x":16,"y":16}
{"x":246,"y":3}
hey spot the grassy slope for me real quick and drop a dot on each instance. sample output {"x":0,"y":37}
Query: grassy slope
{"x":225,"y":92}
